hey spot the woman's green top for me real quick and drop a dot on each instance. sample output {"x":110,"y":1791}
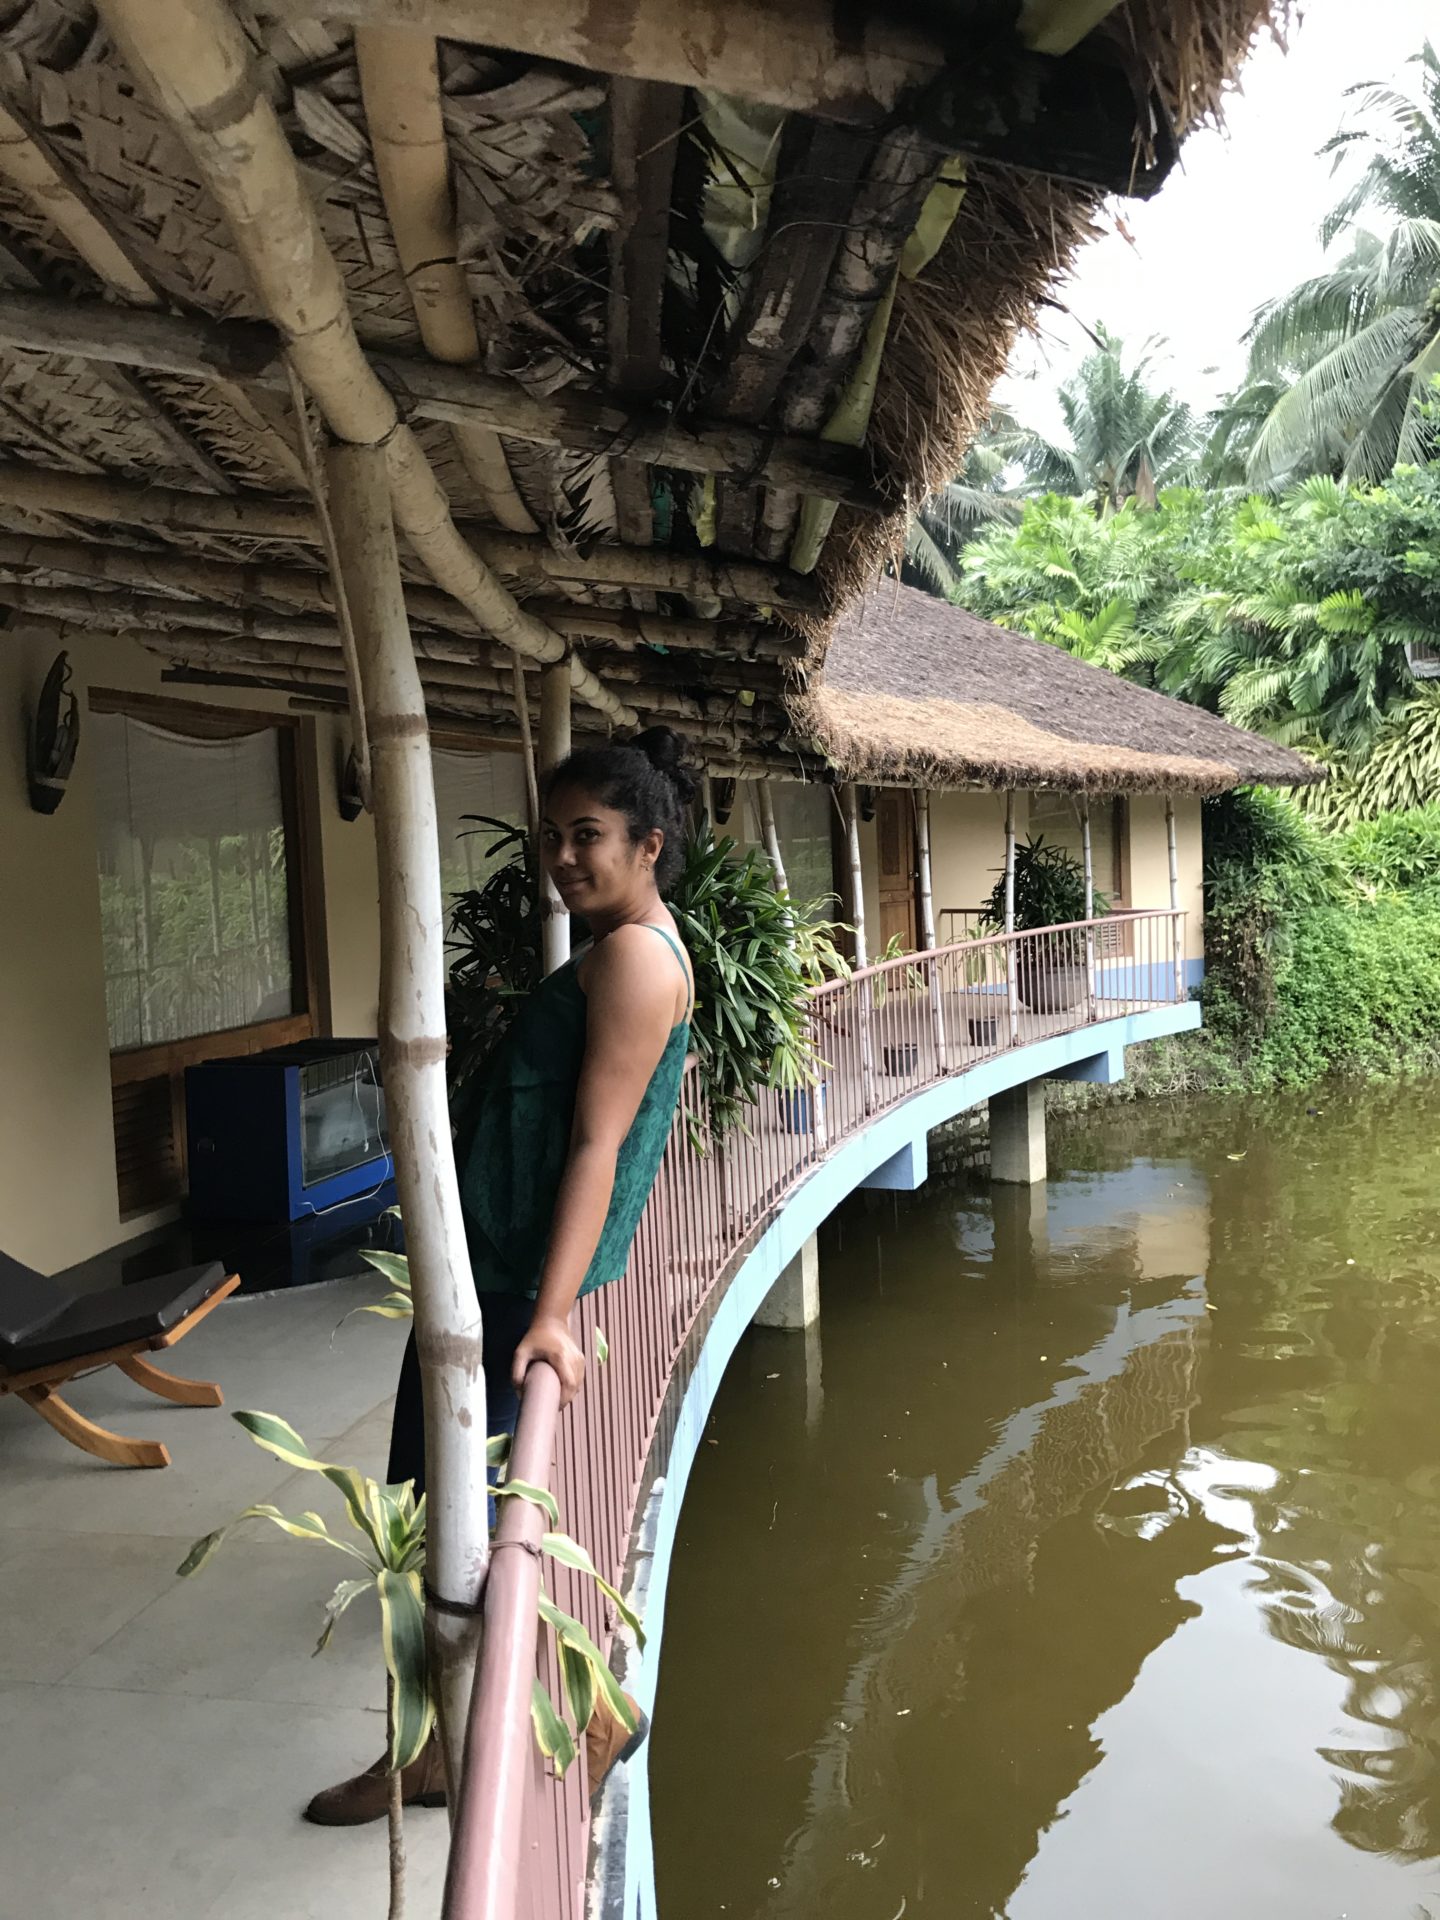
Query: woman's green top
{"x":512,"y":1162}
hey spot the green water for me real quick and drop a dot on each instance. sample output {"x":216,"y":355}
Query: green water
{"x":1087,"y":1563}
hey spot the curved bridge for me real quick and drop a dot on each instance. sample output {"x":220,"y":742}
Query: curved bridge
{"x":907,"y":1045}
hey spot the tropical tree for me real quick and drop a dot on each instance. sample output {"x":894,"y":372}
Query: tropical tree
{"x":1355,"y":348}
{"x":976,"y":498}
{"x":1125,"y":437}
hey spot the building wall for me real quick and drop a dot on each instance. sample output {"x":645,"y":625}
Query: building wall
{"x":58,"y":1199}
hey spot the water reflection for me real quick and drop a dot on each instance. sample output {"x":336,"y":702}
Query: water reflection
{"x":1105,"y":1577}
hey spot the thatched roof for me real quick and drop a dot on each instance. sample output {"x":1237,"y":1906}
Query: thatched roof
{"x":677,"y":308}
{"x":918,"y":692}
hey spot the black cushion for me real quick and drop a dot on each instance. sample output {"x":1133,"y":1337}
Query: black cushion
{"x":84,"y":1323}
{"x":28,"y":1301}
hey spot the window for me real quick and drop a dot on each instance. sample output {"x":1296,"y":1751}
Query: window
{"x":1055,"y":817}
{"x":200,"y":861}
{"x":492,"y":784}
{"x":802,"y":820}
{"x":194,"y":881}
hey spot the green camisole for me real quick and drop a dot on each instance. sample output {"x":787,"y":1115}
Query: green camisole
{"x":512,"y":1162}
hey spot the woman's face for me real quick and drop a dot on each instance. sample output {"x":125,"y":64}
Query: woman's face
{"x":588,"y":852}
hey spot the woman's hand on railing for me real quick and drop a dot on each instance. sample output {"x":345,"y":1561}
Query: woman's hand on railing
{"x":550,"y":1339}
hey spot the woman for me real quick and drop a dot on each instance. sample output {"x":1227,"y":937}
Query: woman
{"x":564,"y":1145}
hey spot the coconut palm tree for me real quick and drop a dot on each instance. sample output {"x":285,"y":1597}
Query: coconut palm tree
{"x":976,"y":498}
{"x":1125,"y":437}
{"x":1358,"y":346}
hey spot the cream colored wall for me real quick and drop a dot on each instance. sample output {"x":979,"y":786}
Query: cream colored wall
{"x":58,"y":1200}
{"x":967,"y":847}
{"x":1150,"y":861}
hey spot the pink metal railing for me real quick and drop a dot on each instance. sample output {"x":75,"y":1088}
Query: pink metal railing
{"x":521,"y":1837}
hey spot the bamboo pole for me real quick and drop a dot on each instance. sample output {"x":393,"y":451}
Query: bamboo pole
{"x":1089,"y":899}
{"x":264,"y":517}
{"x":927,"y":922}
{"x":194,"y":61}
{"x":1012,"y":993}
{"x":862,"y":949}
{"x":769,"y":833}
{"x":400,"y":88}
{"x":554,"y":745}
{"x":527,"y":752}
{"x":1174,"y":854}
{"x":448,"y":1332}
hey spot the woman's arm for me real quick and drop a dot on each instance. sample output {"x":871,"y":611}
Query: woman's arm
{"x":630,"y":1012}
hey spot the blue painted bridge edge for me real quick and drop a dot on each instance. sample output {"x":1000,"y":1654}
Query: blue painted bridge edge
{"x":890,"y":1152}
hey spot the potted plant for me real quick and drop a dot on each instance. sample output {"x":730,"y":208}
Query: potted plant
{"x":1050,"y":974}
{"x":899,"y":1057}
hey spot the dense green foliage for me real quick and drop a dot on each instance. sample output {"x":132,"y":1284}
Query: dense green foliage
{"x":1289,"y":616}
{"x":1049,"y":888}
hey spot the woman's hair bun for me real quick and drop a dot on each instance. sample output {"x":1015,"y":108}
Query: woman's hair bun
{"x":665,"y":751}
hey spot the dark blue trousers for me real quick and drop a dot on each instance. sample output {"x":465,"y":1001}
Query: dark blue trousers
{"x":506,"y":1318}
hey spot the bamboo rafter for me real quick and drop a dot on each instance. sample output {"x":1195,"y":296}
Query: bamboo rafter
{"x":196,"y":65}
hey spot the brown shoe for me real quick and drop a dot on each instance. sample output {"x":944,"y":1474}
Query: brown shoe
{"x":609,"y":1742}
{"x":355,"y":1802}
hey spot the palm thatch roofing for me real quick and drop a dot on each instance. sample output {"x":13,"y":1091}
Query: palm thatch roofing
{"x":918,"y":692}
{"x":665,"y":315}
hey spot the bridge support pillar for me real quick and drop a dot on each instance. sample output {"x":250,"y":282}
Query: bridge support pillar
{"x":793,"y":1303}
{"x":1017,"y":1134}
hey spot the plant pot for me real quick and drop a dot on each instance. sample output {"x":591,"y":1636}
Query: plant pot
{"x":985,"y":1030}
{"x":902,"y":1059}
{"x":1049,"y":984}
{"x":797,"y":1106}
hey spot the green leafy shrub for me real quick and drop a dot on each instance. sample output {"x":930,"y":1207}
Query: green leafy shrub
{"x":754,"y":954}
{"x":1397,"y":853}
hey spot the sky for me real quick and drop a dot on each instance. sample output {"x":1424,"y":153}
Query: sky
{"x":1236,"y":221}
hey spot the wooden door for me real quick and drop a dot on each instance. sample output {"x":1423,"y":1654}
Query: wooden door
{"x":895,"y":823}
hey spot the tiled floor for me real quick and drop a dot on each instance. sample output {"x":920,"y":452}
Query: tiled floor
{"x":161,"y":1736}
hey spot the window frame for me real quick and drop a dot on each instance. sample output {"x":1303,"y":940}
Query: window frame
{"x":153,"y":1061}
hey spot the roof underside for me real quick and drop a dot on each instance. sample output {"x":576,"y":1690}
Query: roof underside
{"x":919,"y":692}
{"x":680,"y":327}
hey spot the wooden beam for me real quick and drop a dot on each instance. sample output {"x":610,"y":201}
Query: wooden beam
{"x":978,"y":89}
{"x":580,"y":422}
{"x":258,"y":516}
{"x":798,"y":55}
{"x":644,"y":134}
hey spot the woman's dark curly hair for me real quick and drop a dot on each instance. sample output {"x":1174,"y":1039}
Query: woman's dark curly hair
{"x":646,"y":779}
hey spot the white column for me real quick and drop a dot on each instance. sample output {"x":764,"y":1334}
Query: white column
{"x":1011,"y":956}
{"x":1175,"y":898}
{"x":1017,"y":1134}
{"x":769,"y":833}
{"x":793,"y":1303}
{"x":1089,"y":899}
{"x":857,"y":877}
{"x":927,"y":923}
{"x":554,"y":745}
{"x":527,"y":754}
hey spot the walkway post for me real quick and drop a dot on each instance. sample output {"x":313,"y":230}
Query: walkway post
{"x":554,"y":745}
{"x":862,"y":950}
{"x":1175,"y":898}
{"x":1012,"y":993}
{"x":769,"y":833}
{"x":527,"y":754}
{"x":412,"y":1055}
{"x":927,"y":922}
{"x":1089,"y":899}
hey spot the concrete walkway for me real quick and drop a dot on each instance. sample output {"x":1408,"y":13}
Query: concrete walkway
{"x":161,"y":1736}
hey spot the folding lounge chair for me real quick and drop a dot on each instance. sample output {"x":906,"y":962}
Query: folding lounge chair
{"x":49,"y":1335}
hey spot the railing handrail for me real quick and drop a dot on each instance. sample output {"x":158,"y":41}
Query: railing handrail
{"x":483,"y":1882}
